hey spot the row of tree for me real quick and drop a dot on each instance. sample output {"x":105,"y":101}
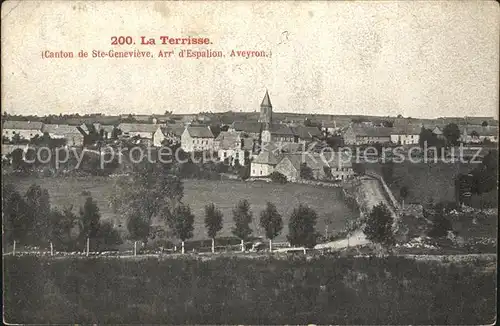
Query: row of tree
{"x":29,"y":219}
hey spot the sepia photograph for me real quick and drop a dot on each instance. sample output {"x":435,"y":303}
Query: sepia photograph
{"x":250,"y":162}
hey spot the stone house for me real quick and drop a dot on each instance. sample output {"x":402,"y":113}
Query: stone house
{"x":234,"y":147}
{"x":171,"y":134}
{"x":197,"y":138}
{"x":25,"y":129}
{"x":71,"y":134}
{"x":364,"y":135}
{"x":141,"y":130}
{"x":406,"y":135}
{"x":327,"y":166}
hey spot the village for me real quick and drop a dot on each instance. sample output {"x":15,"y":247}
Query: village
{"x":265,"y":145}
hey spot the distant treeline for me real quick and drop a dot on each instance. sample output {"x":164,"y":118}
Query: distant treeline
{"x":267,"y":290}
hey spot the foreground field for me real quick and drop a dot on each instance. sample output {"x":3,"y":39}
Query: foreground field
{"x":263,"y":290}
{"x":327,"y":202}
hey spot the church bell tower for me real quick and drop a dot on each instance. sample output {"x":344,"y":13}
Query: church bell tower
{"x":266,"y":110}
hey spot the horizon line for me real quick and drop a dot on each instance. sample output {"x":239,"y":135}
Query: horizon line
{"x":242,"y":112}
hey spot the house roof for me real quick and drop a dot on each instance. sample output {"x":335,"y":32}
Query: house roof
{"x":437,"y":130}
{"x":108,"y":128}
{"x":481,"y":131}
{"x":137,"y":127}
{"x":307,"y":132}
{"x":200,"y":132}
{"x":277,"y":149}
{"x":329,"y":124}
{"x":60,"y":129}
{"x":228,"y":140}
{"x":22,"y":125}
{"x":267,"y":157}
{"x":266,"y":101}
{"x":368,"y":131}
{"x":250,"y":127}
{"x":281,"y":129}
{"x":409,"y":129}
{"x":177,"y":130}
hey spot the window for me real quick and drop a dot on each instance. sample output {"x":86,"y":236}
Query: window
{"x":260,"y":172}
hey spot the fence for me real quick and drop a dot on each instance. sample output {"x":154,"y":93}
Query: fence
{"x":18,"y":250}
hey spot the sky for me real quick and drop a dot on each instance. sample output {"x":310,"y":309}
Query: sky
{"x":419,"y":59}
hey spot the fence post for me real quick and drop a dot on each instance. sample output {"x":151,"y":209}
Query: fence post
{"x":182,"y":244}
{"x":14,"y":249}
{"x":270,"y":245}
{"x":213,"y":245}
{"x":135,"y":248}
{"x":242,"y":246}
{"x":51,"y":249}
{"x":88,"y":246}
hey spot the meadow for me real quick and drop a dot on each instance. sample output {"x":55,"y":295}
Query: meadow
{"x":237,"y":290}
{"x":434,"y":182}
{"x":328,"y":202}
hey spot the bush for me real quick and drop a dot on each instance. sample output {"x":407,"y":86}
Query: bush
{"x":379,"y":226}
{"x":278,"y":177}
{"x":440,"y":226}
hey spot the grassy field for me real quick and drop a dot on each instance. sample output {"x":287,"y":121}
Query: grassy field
{"x":427,"y":181}
{"x":232,"y":290}
{"x":197,"y":193}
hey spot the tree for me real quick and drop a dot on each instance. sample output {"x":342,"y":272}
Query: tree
{"x":403,"y":193}
{"x":15,"y":224}
{"x":89,"y":220}
{"x":17,"y":159}
{"x":328,"y":172}
{"x":271,"y":222}
{"x":484,"y":124}
{"x":440,"y":225}
{"x":278,"y":177}
{"x":306,"y":172}
{"x":180,"y":220}
{"x":244,"y":172}
{"x":334,"y":142}
{"x":427,"y":137}
{"x":302,"y":227}
{"x":150,"y":190}
{"x":378,"y":227}
{"x":213,"y":222}
{"x":62,"y":225}
{"x":358,"y":168}
{"x":107,"y":236}
{"x":451,"y":133}
{"x":388,"y":171}
{"x":38,"y":213}
{"x":242,"y":217}
{"x":115,"y":133}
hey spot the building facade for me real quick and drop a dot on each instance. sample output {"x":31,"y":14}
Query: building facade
{"x":24,"y":129}
{"x":233,"y":147}
{"x":196,"y":139}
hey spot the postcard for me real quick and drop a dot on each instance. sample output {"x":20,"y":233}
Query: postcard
{"x":250,"y":162}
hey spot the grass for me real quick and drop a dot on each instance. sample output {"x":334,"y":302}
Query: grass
{"x":231,"y":290}
{"x":225,"y":194}
{"x":429,"y":181}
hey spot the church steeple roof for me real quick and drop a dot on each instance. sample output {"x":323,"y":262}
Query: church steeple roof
{"x":266,"y":101}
